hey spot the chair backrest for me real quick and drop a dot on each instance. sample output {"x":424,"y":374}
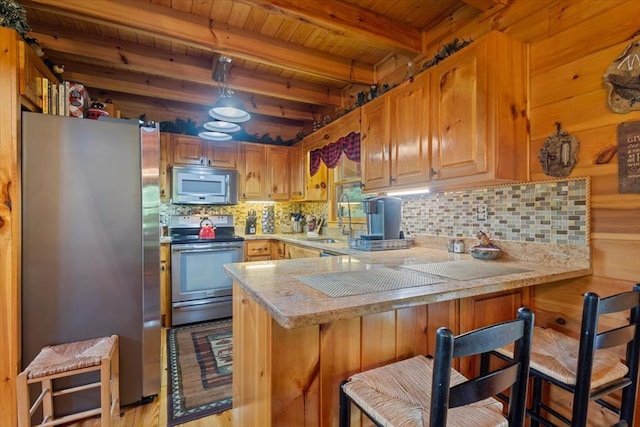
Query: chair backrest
{"x":592,"y":340}
{"x":514,"y":375}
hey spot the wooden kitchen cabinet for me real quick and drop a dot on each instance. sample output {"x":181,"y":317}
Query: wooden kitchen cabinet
{"x":295,"y":251}
{"x":278,"y":176}
{"x":31,"y":72}
{"x":264,"y":172}
{"x":253,"y":171}
{"x":257,"y":250}
{"x":478,"y":113}
{"x":165,"y":285}
{"x":316,"y":186}
{"x":483,"y":310}
{"x":191,"y":150}
{"x":305,"y":187}
{"x":395,"y":144}
{"x":298,"y":165}
{"x":278,"y":249}
{"x":375,"y":144}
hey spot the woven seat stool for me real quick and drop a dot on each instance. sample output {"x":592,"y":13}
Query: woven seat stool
{"x":588,"y":367}
{"x":65,"y":360}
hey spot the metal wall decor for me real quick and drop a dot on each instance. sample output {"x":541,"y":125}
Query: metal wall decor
{"x":622,"y":80}
{"x":560,"y":153}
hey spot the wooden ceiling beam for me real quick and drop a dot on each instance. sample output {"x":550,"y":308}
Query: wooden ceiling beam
{"x":163,"y":110}
{"x":181,"y":91}
{"x":199,"y":32}
{"x":347,"y":20}
{"x":133,"y":57}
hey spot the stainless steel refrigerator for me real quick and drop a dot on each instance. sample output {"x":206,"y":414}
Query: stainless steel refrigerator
{"x":90,"y":243}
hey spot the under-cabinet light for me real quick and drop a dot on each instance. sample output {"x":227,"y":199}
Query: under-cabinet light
{"x":409,"y":192}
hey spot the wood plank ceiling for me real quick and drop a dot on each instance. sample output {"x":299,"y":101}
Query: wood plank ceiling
{"x":293,"y":60}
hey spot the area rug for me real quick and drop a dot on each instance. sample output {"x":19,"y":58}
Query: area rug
{"x":199,"y":370}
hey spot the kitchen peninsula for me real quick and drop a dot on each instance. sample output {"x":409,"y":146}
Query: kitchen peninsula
{"x":293,"y":344}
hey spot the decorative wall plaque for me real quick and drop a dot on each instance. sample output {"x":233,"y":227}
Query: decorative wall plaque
{"x":622,"y":80}
{"x":629,"y":157}
{"x":560,"y":153}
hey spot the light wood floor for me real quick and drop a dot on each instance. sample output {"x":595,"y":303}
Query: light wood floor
{"x":155,"y":413}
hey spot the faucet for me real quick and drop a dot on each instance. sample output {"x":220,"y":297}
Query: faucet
{"x":347,"y":231}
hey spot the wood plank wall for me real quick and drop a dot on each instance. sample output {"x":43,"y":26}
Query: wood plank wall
{"x":572,"y":42}
{"x":10,"y":214}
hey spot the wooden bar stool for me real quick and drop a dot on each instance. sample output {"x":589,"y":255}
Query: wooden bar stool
{"x":587,"y":367}
{"x":422,"y":391}
{"x":65,"y":360}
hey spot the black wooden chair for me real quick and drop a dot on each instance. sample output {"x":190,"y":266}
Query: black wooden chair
{"x":586,"y":367}
{"x":414,"y":390}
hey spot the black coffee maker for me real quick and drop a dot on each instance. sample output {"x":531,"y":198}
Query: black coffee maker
{"x":384,"y":215}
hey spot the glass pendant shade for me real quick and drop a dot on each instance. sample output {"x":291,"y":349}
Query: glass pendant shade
{"x":221,"y":126}
{"x":215,"y":136}
{"x":229,"y":110}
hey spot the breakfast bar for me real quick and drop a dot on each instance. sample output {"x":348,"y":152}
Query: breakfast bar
{"x":302,"y":326}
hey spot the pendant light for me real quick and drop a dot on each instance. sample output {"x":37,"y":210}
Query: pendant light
{"x":227,"y":108}
{"x":215,"y":136}
{"x":220,"y":126}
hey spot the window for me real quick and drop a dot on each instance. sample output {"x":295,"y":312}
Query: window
{"x":346,"y":180}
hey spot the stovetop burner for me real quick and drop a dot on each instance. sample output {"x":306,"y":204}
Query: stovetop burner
{"x":186,"y":229}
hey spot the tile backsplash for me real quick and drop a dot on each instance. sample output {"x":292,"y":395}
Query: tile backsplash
{"x":554,"y":212}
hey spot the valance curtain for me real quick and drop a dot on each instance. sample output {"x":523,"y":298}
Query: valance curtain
{"x":330,"y":153}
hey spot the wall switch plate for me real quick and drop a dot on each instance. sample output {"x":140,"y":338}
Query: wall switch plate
{"x":481,"y":212}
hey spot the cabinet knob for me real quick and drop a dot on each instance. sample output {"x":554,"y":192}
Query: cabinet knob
{"x":202,"y":160}
{"x":209,"y":162}
{"x":432,"y":173}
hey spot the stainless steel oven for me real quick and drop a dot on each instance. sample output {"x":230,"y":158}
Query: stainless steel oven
{"x":200,"y":288}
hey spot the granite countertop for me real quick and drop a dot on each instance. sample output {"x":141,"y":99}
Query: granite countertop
{"x":294,"y":304}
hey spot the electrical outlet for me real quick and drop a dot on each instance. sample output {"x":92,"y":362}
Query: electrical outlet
{"x":481,"y":212}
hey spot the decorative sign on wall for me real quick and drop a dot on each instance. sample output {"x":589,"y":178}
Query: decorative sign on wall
{"x":560,"y":153}
{"x":629,"y":157}
{"x":622,"y":80}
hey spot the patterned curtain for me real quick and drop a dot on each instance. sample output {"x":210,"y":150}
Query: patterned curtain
{"x":330,"y":153}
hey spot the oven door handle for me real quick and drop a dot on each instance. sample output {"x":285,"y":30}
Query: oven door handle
{"x":210,"y":249}
{"x":187,"y":304}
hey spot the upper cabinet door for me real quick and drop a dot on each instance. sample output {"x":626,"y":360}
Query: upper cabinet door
{"x":279,"y":173}
{"x":458,"y":91}
{"x":478,"y":110}
{"x":409,"y":124}
{"x":297,"y":162}
{"x":253,"y":171}
{"x":221,"y":154}
{"x":375,"y":144}
{"x":187,"y":150}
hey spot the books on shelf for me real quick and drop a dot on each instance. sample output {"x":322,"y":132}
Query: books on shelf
{"x":63,"y":99}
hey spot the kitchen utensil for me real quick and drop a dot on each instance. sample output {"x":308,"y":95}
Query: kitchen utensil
{"x":207,"y":229}
{"x":250,"y":225}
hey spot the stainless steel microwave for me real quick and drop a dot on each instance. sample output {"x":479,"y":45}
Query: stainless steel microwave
{"x":198,"y":185}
